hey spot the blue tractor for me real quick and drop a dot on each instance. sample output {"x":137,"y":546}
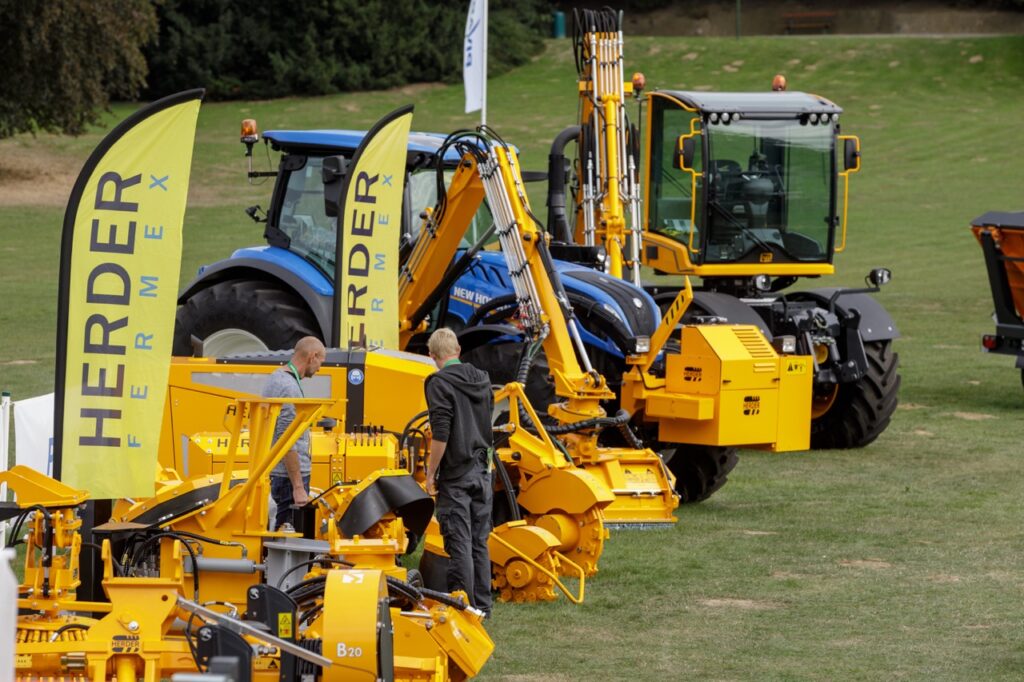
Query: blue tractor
{"x":269,"y":296}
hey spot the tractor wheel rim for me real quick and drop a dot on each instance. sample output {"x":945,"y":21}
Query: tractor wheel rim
{"x":822,"y":403}
{"x":232,"y":342}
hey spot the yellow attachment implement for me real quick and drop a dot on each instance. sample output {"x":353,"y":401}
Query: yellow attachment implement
{"x":353,"y":640}
{"x":132,"y":642}
{"x":32,"y":487}
{"x":361,"y":524}
{"x":763,"y":399}
{"x":557,"y":495}
{"x":439,"y":642}
{"x":46,"y":508}
{"x":365,"y":523}
{"x":525,"y":562}
{"x":530,"y":564}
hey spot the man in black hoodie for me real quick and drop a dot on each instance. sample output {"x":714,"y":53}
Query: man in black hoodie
{"x":460,"y":402}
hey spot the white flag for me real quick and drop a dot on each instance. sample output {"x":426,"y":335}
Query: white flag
{"x":474,"y":58}
{"x":33,"y":433}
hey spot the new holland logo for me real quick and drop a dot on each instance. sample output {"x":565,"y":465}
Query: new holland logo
{"x":693,"y":374}
{"x":751,"y":405}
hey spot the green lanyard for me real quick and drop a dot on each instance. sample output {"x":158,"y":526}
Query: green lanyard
{"x":295,"y":373}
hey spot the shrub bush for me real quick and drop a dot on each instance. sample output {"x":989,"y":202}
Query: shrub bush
{"x":277,"y":48}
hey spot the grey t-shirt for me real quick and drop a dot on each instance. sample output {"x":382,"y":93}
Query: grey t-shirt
{"x":283,"y":384}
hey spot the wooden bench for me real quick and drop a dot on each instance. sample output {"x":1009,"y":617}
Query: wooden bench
{"x":809,"y":21}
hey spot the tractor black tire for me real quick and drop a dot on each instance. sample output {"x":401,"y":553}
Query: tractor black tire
{"x":862,"y":409}
{"x":275,"y":318}
{"x":501,"y":362}
{"x":701,"y":470}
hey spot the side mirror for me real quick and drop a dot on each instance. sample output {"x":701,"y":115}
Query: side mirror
{"x":333,"y":176}
{"x":879,"y":276}
{"x":685,"y":151}
{"x":851,"y":154}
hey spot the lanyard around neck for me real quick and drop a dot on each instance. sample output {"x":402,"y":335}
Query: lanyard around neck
{"x":295,"y":373}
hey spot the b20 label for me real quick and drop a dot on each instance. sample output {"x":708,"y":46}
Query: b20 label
{"x":349,"y":651}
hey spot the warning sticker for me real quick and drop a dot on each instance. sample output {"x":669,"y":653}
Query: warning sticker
{"x":796,"y":366}
{"x":284,"y":625}
{"x":23,"y":660}
{"x":265,"y":663}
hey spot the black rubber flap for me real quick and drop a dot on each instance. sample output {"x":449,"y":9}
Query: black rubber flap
{"x":398,"y":494}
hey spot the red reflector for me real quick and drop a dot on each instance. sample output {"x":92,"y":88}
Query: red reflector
{"x":989,"y":342}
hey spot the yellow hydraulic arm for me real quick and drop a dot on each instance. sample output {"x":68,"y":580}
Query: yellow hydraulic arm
{"x":437,"y":243}
{"x":496,"y":175}
{"x":609,"y":189}
{"x":640,"y":482}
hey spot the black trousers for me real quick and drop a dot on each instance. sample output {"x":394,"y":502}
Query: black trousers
{"x":463,"y":510}
{"x":281,"y":493}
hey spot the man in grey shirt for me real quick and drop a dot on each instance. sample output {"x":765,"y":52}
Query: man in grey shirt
{"x":289,"y":480}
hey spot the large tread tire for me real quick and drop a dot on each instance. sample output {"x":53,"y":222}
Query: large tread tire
{"x":277,"y":318}
{"x":701,"y":470}
{"x":862,"y":409}
{"x":501,"y":362}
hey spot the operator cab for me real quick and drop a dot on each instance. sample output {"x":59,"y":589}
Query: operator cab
{"x":298,"y":219}
{"x":744,"y":177}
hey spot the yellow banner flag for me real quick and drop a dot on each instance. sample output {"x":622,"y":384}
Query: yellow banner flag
{"x":369,"y":227}
{"x":120,"y":259}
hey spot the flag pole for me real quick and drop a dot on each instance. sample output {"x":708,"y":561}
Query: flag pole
{"x":483,"y":108}
{"x":5,"y":430}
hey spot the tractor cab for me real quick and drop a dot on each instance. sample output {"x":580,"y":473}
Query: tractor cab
{"x":740,"y":184}
{"x":300,"y":222}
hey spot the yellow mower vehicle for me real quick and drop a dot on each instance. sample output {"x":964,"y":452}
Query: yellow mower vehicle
{"x":198,"y":553}
{"x":548,"y":517}
{"x":748,"y":192}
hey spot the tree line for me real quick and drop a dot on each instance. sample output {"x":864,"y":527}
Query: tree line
{"x":64,"y":60}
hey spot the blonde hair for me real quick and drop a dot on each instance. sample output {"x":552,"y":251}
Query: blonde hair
{"x":443,"y":344}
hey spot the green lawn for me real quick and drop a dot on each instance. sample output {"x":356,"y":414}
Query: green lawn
{"x":898,"y":561}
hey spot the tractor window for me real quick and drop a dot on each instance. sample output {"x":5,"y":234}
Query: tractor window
{"x":303,"y":219}
{"x":671,"y":199}
{"x":769,"y":191}
{"x":423,"y":194}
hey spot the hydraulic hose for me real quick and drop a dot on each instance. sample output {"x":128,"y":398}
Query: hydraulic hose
{"x":444,"y":598}
{"x":620,"y":421}
{"x":404,"y":589}
{"x":558,"y":225}
{"x":506,"y":481}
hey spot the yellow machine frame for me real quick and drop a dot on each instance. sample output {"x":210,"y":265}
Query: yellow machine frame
{"x":561,"y":502}
{"x":138,"y":639}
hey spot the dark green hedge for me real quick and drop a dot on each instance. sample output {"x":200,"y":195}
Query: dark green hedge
{"x":274,"y":48}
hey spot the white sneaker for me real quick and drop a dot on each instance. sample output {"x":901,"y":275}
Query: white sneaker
{"x":285,"y":528}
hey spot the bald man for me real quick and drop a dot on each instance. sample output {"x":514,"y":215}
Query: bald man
{"x":289,"y":480}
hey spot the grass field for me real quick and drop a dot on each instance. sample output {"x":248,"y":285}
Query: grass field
{"x":902,"y":560}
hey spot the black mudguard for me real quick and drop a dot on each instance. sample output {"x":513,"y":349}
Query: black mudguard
{"x":731,"y":308}
{"x":876,"y":324}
